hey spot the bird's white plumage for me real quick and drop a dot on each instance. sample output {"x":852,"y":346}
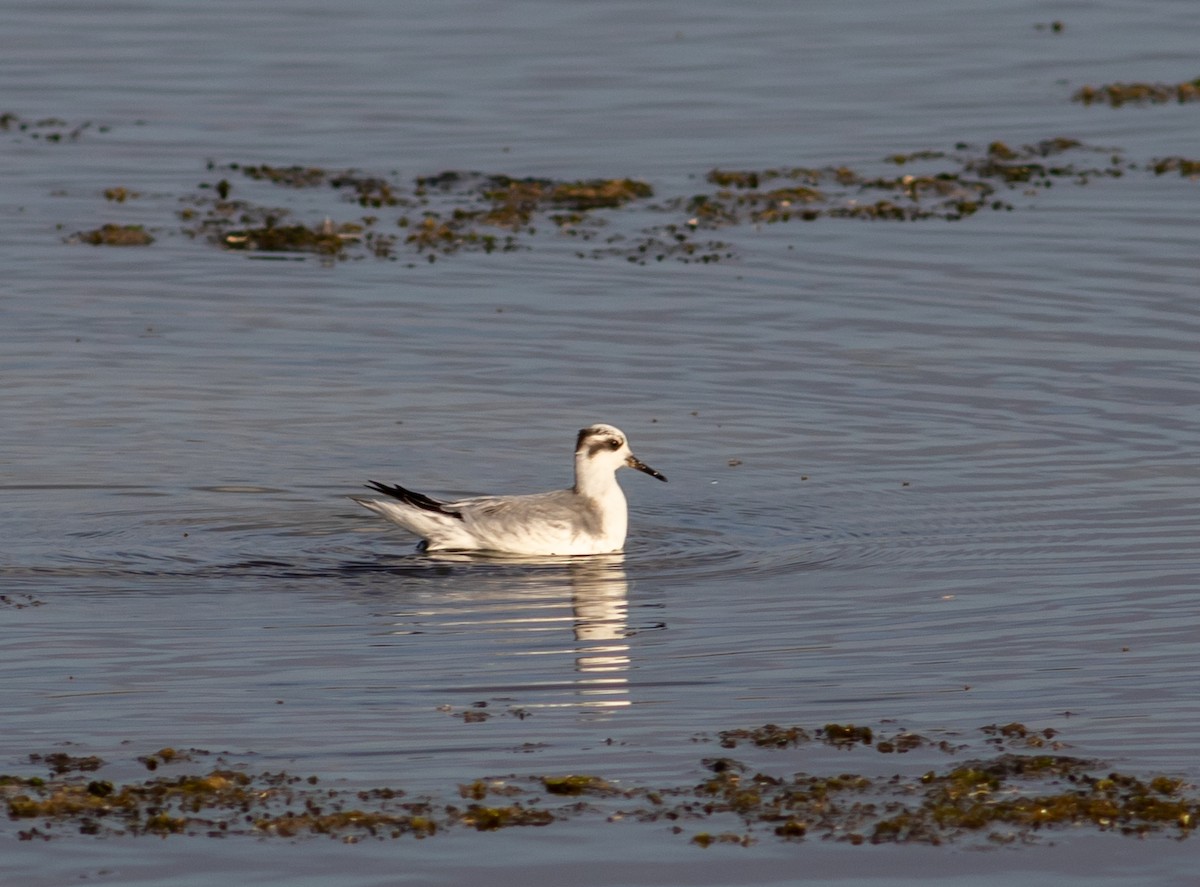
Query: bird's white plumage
{"x":589,"y":518}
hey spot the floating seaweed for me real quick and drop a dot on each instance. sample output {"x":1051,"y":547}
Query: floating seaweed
{"x":47,"y":129}
{"x":1025,"y":788}
{"x":120,"y":194}
{"x":327,"y":240}
{"x":456,"y":211}
{"x":1117,"y":94}
{"x":114,"y":235}
{"x":1187,"y":168}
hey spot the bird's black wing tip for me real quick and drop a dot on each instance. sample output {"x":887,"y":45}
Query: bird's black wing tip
{"x":413,"y":498}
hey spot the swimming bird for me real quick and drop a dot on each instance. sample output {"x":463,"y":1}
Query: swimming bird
{"x":589,"y":518}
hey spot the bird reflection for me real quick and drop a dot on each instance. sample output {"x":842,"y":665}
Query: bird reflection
{"x":600,"y":602}
{"x":598,"y":592}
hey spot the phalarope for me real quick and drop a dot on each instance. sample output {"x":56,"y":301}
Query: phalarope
{"x":589,"y":518}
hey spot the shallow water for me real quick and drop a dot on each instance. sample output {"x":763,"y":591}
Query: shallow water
{"x":936,"y":473}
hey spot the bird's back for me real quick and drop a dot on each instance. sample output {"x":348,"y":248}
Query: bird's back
{"x":561,"y":522}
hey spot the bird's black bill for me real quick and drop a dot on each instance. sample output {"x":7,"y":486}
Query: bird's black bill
{"x":634,"y":462}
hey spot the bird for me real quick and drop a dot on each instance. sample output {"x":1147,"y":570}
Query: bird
{"x":590,"y":517}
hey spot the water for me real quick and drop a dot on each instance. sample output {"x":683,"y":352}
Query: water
{"x":934,"y":473}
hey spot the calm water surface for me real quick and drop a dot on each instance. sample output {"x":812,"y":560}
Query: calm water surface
{"x":940,"y":474}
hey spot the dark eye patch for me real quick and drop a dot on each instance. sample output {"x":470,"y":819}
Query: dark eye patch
{"x":614,"y":444}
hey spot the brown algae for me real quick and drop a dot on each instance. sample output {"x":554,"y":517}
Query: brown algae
{"x":1189,"y":169}
{"x":271,"y":237}
{"x":115,"y":235}
{"x":1021,"y":792}
{"x":455,"y":211}
{"x":120,"y":194}
{"x":577,"y":785}
{"x":1117,"y":94}
{"x":364,"y":214}
{"x":846,"y":735}
{"x":768,"y":736}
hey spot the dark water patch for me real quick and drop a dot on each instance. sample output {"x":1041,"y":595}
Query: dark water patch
{"x":47,"y":129}
{"x":19,"y":601}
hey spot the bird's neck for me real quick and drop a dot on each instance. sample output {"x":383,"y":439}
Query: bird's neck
{"x":608,"y":501}
{"x":598,"y":485}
